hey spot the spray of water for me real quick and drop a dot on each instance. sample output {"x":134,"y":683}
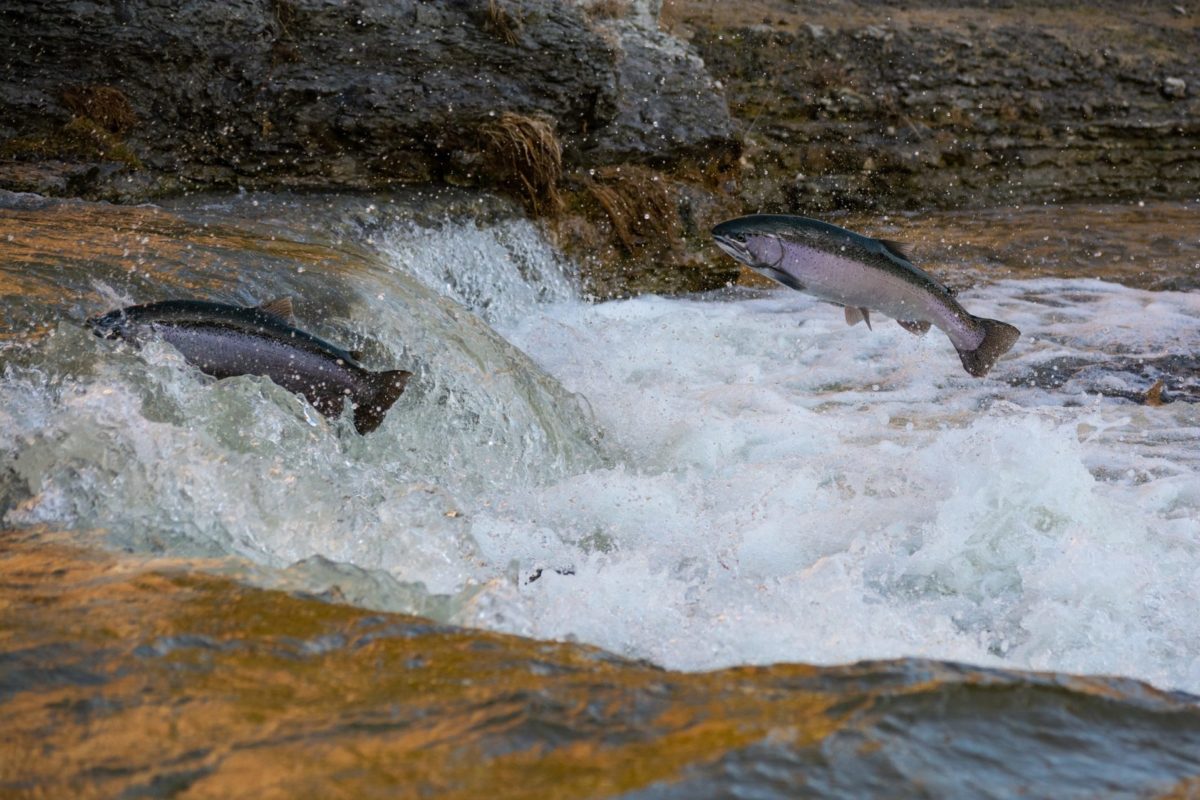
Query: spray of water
{"x":771,"y":485}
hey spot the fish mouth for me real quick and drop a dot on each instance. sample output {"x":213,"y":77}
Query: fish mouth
{"x":734,"y":248}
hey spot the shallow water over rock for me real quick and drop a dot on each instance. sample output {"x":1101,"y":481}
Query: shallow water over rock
{"x":158,"y":679}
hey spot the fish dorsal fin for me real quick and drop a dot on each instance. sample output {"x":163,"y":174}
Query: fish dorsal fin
{"x":896,"y":248}
{"x":917,"y":328}
{"x":280,"y":307}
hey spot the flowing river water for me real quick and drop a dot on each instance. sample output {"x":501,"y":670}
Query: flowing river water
{"x":206,"y":584}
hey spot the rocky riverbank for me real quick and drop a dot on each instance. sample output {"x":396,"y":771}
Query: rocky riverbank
{"x":585,"y":113}
{"x":142,"y":98}
{"x":948,"y":105}
{"x":629,"y":126}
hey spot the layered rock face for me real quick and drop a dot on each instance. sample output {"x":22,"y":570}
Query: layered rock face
{"x":841,"y":105}
{"x":142,"y":97}
{"x":935,"y":104}
{"x":609,"y":117}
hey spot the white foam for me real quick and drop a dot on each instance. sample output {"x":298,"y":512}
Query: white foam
{"x":499,"y":272}
{"x":819,"y":493}
{"x":785,"y":488}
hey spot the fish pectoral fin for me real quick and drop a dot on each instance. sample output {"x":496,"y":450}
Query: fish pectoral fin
{"x":280,"y":307}
{"x":856,"y":315}
{"x":384,"y":388}
{"x":774,"y":273}
{"x":916,"y":328}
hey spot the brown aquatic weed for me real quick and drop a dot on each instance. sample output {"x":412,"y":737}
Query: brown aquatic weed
{"x":639,"y":204}
{"x":81,"y":138}
{"x":607,"y":9}
{"x":502,"y":22}
{"x":107,"y":106}
{"x":523,"y":153}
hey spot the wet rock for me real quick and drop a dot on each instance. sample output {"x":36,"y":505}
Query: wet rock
{"x":665,"y":101}
{"x":1149,"y":381}
{"x":1022,"y":108}
{"x":1174,"y":87}
{"x":46,"y":178}
{"x":349,"y":95}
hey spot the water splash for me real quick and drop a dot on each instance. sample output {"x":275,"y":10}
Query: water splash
{"x":500,"y":272}
{"x":785,"y":488}
{"x":161,"y":458}
{"x":799,"y":490}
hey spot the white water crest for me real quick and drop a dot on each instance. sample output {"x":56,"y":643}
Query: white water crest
{"x":796,"y":490}
{"x":772,"y":484}
{"x":792,"y":489}
{"x":141,"y":447}
{"x":499,"y":272}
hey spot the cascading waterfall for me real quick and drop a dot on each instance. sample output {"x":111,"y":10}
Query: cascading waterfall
{"x":161,"y":458}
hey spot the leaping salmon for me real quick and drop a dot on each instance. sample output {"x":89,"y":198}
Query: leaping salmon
{"x":225,"y":340}
{"x":863,"y":275}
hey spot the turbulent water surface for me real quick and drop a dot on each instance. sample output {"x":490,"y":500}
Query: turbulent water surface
{"x":702,"y":482}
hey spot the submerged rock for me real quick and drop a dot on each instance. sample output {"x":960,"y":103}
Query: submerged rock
{"x":154,"y":679}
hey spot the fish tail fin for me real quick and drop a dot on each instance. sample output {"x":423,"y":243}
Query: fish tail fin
{"x":385,"y":388}
{"x":998,"y":337}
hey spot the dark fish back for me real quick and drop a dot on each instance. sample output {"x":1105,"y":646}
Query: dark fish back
{"x":226,"y":341}
{"x":251,"y":320}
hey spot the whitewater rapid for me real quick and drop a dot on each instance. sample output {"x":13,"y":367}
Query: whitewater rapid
{"x":792,"y":489}
{"x":796,"y":490}
{"x":734,"y":478}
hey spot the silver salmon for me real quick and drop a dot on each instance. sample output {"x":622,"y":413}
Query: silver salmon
{"x":225,"y":340}
{"x":863,"y":275}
